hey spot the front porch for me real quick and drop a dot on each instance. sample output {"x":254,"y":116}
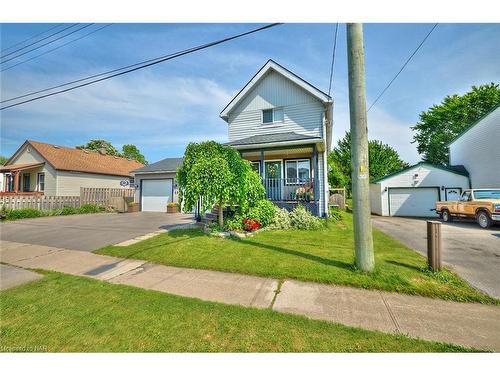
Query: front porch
{"x":23,"y":179}
{"x":289,"y":174}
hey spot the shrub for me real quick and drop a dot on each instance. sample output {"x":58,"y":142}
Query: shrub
{"x":251,"y":224}
{"x":22,"y":213}
{"x":67,"y":210}
{"x":90,"y":209}
{"x":281,"y":219}
{"x":300,"y":218}
{"x":263,"y":211}
{"x":234,"y":223}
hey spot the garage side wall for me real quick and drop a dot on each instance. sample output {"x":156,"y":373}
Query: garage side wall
{"x":420,"y":176}
{"x":149,"y":176}
{"x":376,"y":199}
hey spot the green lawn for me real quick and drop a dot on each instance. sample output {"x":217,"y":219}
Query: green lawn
{"x":324,"y":256}
{"x":63,"y":313}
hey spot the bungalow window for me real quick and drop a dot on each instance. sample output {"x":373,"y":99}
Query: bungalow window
{"x":26,"y":182}
{"x":298,"y":171}
{"x":270,"y":116}
{"x":40,"y":182}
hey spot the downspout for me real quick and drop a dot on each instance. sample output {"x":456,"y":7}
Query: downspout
{"x":327,"y":144}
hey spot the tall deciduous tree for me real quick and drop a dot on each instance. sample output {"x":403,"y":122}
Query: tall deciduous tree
{"x":383,"y":159}
{"x":3,"y":160}
{"x":132,"y":152}
{"x":441,"y":123}
{"x":220,"y":176}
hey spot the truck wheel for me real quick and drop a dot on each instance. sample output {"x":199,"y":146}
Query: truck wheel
{"x":483,"y":219}
{"x":445,"y":215}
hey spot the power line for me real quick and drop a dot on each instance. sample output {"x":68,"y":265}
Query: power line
{"x":38,"y":41}
{"x":333,"y":57}
{"x":49,"y":42}
{"x":31,"y":37}
{"x":404,"y":65}
{"x":137,"y":66}
{"x":56,"y":48}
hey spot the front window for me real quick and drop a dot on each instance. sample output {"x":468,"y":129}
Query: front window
{"x":487,"y":194}
{"x":298,"y":171}
{"x":256,"y":166}
{"x":40,"y":183}
{"x":26,"y":182}
{"x":270,"y":116}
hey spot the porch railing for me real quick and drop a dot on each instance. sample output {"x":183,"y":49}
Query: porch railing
{"x":289,"y":189}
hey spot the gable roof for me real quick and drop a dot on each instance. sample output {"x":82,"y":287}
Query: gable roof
{"x":73,"y":159}
{"x":274,"y":66}
{"x":495,"y":108}
{"x":457,"y":169}
{"x":165,"y":165}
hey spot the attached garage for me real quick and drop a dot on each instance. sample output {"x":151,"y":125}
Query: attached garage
{"x":156,"y":185}
{"x":414,"y":191}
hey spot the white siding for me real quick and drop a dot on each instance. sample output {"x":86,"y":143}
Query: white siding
{"x":69,"y":183}
{"x":428,"y":176}
{"x":479,"y":151}
{"x":29,"y":155}
{"x":303,"y":112}
{"x":376,"y":199}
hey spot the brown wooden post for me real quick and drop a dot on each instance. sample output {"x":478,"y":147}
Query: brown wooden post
{"x":16,"y":175}
{"x":434,"y":245}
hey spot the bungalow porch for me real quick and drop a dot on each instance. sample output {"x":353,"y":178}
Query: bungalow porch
{"x":23,"y":179}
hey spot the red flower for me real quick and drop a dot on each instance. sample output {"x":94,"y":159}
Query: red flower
{"x":250,"y":225}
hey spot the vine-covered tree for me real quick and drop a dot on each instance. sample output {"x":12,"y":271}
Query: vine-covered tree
{"x":220,"y":176}
{"x":442,"y":123}
{"x":382,"y":159}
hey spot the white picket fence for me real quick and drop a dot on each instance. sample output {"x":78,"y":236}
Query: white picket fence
{"x":39,"y":202}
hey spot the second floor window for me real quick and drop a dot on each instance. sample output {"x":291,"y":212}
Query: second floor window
{"x":270,"y":116}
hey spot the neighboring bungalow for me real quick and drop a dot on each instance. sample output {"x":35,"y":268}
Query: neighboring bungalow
{"x":156,"y":184}
{"x":42,"y":168}
{"x":283,"y":125}
{"x":478,"y":150}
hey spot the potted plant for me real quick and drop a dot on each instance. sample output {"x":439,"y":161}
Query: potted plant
{"x":132,"y":207}
{"x":172,"y":208}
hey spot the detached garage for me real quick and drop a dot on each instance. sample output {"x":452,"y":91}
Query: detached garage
{"x":413,"y":191}
{"x":156,"y":184}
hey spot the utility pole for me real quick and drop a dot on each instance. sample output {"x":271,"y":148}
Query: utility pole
{"x":363,"y":241}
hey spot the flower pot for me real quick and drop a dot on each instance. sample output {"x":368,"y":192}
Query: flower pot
{"x":172,"y":209}
{"x":133,"y":208}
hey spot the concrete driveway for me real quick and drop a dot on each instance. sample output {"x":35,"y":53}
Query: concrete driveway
{"x":89,"y":232}
{"x":472,"y":252}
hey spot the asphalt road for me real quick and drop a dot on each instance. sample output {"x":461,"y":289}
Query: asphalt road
{"x":472,"y":252}
{"x":88,"y":232}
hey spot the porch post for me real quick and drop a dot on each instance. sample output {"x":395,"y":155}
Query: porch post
{"x":262,"y":163}
{"x":316,"y":177}
{"x":16,"y":175}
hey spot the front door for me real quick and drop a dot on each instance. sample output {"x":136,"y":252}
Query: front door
{"x":273,"y":180}
{"x":26,"y":182}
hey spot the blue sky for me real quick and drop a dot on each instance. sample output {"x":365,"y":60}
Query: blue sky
{"x":164,"y":107}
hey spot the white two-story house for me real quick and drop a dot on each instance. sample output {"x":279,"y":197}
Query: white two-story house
{"x":283,"y":125}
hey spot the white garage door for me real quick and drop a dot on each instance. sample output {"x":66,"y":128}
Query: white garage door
{"x":413,"y":201}
{"x":156,"y":194}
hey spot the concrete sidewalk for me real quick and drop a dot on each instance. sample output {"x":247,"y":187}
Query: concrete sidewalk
{"x":470,"y":325}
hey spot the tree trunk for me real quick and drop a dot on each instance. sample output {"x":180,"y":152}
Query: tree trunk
{"x":221,"y":215}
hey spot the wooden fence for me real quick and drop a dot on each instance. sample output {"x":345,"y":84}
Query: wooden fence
{"x":38,"y":202}
{"x":102,"y":196}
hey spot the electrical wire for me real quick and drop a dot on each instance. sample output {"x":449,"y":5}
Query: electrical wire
{"x":134,"y":67}
{"x":333,"y":57}
{"x":56,"y":48}
{"x":402,"y":68}
{"x":38,"y":41}
{"x":49,"y":42}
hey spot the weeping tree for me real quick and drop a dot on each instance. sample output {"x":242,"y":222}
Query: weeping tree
{"x":220,"y":176}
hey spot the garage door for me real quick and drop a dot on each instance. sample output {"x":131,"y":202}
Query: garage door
{"x":413,"y":201}
{"x":156,"y":194}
